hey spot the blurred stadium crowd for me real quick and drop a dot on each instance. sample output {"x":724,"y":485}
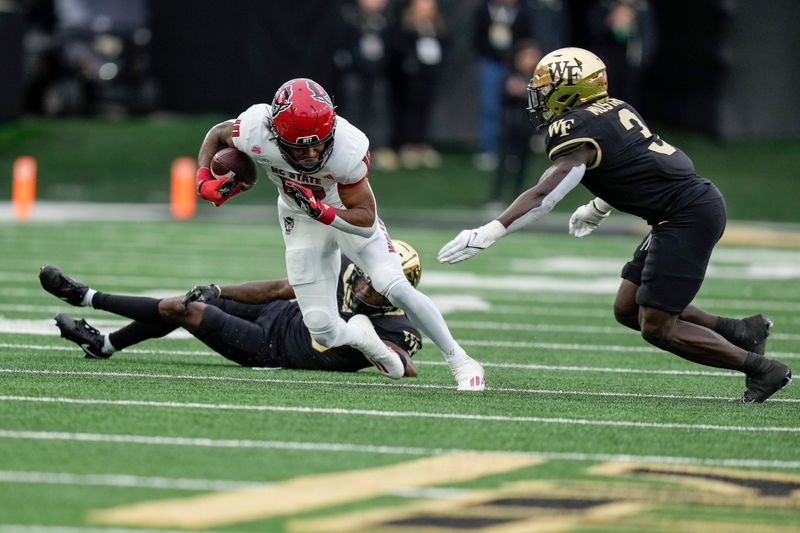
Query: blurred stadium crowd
{"x":413,"y":74}
{"x":387,"y":57}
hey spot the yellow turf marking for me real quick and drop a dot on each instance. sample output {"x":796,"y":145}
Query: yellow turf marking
{"x":699,"y":526}
{"x":309,"y":492}
{"x":604,"y":514}
{"x":624,"y":510}
{"x":665,"y":492}
{"x":707,"y":485}
{"x":753,"y":235}
{"x":474,"y":504}
{"x":743,"y":234}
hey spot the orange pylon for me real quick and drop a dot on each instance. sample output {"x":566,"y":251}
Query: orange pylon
{"x":23,"y":188}
{"x":183,"y":197}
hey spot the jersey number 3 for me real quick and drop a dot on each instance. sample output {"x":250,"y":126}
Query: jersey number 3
{"x":628,"y":120}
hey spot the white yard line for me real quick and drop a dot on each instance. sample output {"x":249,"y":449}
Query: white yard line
{"x":603,"y":369}
{"x":99,"y":317}
{"x":343,"y":447}
{"x":37,"y":528}
{"x":588,"y":348}
{"x":555,"y":346}
{"x":603,"y":302}
{"x":516,"y":366}
{"x":398,"y":414}
{"x":379,"y":384}
{"x":564,"y":328}
{"x":121,"y":480}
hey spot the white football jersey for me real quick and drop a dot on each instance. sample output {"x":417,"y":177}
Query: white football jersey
{"x":347,"y":165}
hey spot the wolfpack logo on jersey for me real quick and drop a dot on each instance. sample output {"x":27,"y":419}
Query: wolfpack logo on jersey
{"x":288,"y":224}
{"x":346,"y":167}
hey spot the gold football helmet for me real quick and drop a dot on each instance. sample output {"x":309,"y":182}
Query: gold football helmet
{"x":564,"y":79}
{"x":359,"y":295}
{"x":409,"y":258}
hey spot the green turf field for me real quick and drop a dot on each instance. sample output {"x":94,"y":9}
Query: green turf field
{"x":584,"y":427}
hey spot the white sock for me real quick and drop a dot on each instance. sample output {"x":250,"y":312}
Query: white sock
{"x":87,"y":298}
{"x":426,"y":316}
{"x":107,"y":348}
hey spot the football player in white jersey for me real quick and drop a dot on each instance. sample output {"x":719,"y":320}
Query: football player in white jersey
{"x":319,"y":162}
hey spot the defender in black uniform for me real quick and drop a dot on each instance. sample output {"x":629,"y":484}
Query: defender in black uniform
{"x":254,"y":324}
{"x":604,"y":144}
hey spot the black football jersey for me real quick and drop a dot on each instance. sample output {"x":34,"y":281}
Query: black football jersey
{"x":295,"y":348}
{"x":635,"y":171}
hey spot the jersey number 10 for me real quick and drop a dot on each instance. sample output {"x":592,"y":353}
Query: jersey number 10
{"x":628,"y":120}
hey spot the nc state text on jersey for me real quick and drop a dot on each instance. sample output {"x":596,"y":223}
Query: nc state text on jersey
{"x":299,"y":178}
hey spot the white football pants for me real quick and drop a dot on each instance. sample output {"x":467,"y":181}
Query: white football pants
{"x":312,"y":265}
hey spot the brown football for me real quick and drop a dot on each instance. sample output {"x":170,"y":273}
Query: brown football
{"x":230,"y":161}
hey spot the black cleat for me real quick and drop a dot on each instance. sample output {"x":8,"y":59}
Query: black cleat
{"x":756,"y":331}
{"x":753,"y":336}
{"x":769,"y":379}
{"x":81,"y":333}
{"x":62,"y":286}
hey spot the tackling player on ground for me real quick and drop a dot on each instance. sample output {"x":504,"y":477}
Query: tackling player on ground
{"x":253,"y":324}
{"x":319,"y":163}
{"x":604,"y":144}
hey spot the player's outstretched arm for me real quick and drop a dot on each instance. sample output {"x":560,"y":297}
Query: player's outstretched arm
{"x":251,"y":292}
{"x":560,"y":178}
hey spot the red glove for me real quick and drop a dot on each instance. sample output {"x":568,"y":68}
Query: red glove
{"x":306,"y":201}
{"x":216,"y":191}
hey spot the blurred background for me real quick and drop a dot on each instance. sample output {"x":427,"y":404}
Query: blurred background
{"x":105,"y":94}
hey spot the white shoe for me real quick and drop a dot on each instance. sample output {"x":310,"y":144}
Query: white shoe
{"x":469,"y":375}
{"x":387,"y":361}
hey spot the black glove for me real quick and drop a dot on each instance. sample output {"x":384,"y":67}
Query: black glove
{"x":305,"y":199}
{"x":229,"y":188}
{"x":201,"y":293}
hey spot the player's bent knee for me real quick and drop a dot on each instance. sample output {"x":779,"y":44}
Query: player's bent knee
{"x":655,"y":331}
{"x":171,"y":308}
{"x":386,"y":283}
{"x":626,"y":316}
{"x":322,"y":326}
{"x":399,"y":292}
{"x":188,"y":316}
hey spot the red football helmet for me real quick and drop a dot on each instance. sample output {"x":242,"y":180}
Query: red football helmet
{"x":303,"y":115}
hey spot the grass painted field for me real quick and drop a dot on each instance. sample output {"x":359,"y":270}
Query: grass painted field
{"x":583,"y":427}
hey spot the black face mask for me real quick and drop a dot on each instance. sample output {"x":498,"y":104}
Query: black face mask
{"x":364,"y":300}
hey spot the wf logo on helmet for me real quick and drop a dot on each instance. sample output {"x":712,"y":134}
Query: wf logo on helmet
{"x":562,"y":70}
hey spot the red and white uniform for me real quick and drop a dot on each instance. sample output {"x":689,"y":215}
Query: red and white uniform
{"x":347,"y":165}
{"x":313,"y":248}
